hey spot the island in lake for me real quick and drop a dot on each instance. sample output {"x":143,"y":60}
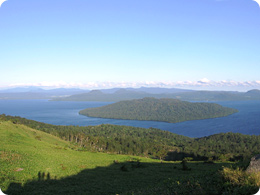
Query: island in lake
{"x":165,"y":110}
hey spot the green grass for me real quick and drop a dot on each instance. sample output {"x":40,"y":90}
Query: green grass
{"x":26,"y":154}
{"x":35,"y":151}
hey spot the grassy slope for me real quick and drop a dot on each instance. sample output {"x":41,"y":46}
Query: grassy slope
{"x":76,"y":172}
{"x":34,"y":151}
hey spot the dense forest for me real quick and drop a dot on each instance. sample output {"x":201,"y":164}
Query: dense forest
{"x":153,"y":143}
{"x":167,"y":110}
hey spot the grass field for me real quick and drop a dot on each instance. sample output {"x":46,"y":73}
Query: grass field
{"x":34,"y":162}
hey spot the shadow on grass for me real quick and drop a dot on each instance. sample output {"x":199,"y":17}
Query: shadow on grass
{"x":178,"y":156}
{"x":125,"y":178}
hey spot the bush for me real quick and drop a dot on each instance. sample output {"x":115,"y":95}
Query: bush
{"x":237,"y":181}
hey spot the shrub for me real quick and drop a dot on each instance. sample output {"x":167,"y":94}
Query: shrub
{"x":237,"y":181}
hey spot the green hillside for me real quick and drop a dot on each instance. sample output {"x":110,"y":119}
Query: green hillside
{"x":152,"y":143}
{"x":110,"y":138}
{"x":167,"y":110}
{"x":25,"y":152}
{"x":35,"y":162}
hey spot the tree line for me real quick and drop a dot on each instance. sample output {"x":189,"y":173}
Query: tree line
{"x":153,"y":143}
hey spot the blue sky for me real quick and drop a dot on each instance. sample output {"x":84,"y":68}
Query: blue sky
{"x":200,"y":44}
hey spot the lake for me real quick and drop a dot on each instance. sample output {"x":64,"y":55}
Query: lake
{"x":246,"y":121}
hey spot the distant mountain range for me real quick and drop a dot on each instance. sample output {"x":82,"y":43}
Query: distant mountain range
{"x":151,"y":90}
{"x":38,"y":93}
{"x":119,"y":94}
{"x":188,"y":95}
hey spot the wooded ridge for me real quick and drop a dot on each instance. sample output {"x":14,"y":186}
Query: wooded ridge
{"x":153,"y":143}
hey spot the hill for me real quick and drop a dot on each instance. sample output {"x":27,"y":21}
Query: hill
{"x":120,"y":94}
{"x":151,"y":90}
{"x":37,"y":93}
{"x":98,"y":95}
{"x":115,"y":95}
{"x":255,"y":94}
{"x":152,"y":143}
{"x":219,"y":95}
{"x":35,"y":162}
{"x":110,"y":138}
{"x":167,"y":110}
{"x":28,"y":154}
{"x":159,"y":90}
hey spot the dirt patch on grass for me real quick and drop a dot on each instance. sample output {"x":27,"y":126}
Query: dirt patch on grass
{"x":9,"y":156}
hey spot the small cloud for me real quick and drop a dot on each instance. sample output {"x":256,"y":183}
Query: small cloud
{"x":1,"y":2}
{"x":204,"y":81}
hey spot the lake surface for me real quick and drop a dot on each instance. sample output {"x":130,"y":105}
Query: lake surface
{"x":246,"y":121}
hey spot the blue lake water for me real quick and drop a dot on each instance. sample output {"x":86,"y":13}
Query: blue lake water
{"x":246,"y":121}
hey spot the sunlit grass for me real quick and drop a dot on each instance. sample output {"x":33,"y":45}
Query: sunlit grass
{"x":24,"y":152}
{"x":33,"y":161}
{"x":240,"y":181}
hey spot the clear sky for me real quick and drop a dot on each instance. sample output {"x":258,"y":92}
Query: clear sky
{"x":200,"y":44}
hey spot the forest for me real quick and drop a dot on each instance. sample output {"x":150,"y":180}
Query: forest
{"x":152,"y":143}
{"x":152,"y":109}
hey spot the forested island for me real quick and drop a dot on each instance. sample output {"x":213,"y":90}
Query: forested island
{"x":166,"y":110}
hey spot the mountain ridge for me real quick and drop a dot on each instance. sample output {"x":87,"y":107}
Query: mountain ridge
{"x":126,"y":94}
